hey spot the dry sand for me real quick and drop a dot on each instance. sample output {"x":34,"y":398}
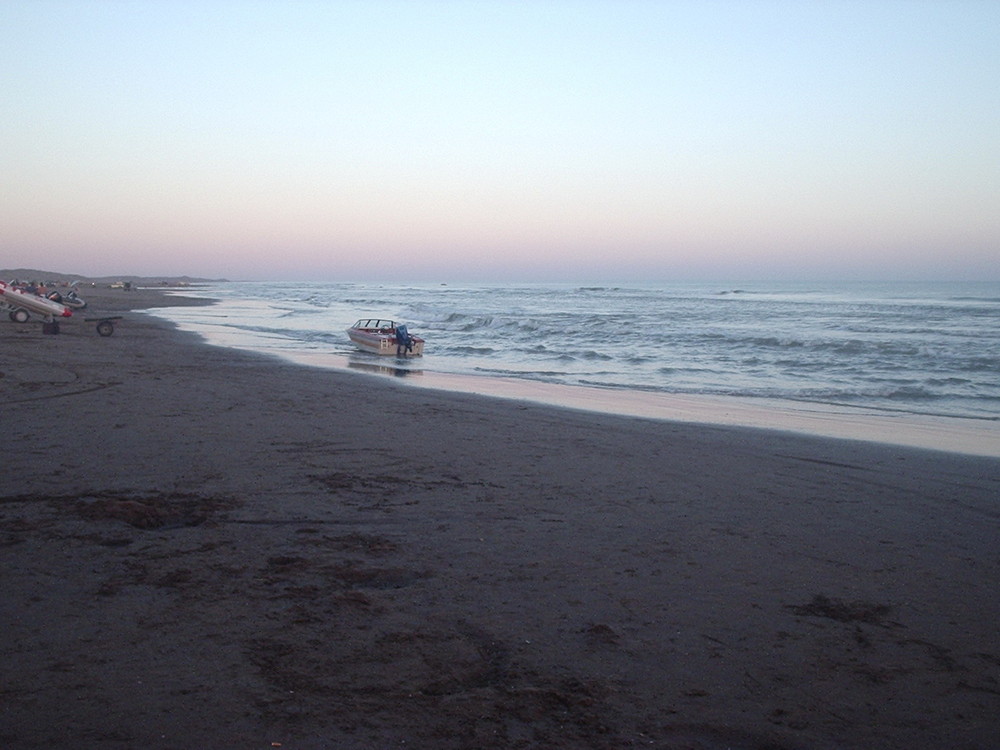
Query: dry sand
{"x":209,"y":549}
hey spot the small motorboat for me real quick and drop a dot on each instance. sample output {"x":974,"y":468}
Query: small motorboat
{"x":385,"y":337}
{"x":70,"y":300}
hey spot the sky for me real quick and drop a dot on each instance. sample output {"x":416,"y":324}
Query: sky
{"x":617,"y":140}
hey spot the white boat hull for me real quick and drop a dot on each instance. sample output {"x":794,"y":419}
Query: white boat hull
{"x":381,"y":340}
{"x":33,"y":304}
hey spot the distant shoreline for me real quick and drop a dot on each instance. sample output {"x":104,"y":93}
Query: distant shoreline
{"x":25,"y":274}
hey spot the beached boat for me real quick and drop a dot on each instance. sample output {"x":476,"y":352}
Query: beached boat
{"x":21,"y":304}
{"x":71,"y":300}
{"x":385,"y":337}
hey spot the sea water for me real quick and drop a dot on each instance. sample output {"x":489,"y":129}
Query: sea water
{"x":911,"y":348}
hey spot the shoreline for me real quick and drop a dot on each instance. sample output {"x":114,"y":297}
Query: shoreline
{"x":950,"y":434}
{"x":207,"y":547}
{"x":972,"y":436}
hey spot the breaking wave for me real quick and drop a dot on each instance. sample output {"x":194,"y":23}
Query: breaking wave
{"x":931,"y":348}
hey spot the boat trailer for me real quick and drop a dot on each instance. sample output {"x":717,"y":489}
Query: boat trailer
{"x":105,"y":326}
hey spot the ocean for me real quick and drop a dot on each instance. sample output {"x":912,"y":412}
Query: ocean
{"x":911,"y":348}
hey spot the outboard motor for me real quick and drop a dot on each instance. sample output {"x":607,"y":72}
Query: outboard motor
{"x":403,"y":340}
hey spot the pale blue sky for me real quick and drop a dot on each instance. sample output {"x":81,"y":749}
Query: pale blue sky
{"x":610,"y":141}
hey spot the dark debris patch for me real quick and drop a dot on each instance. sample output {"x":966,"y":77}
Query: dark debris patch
{"x":842,"y":611}
{"x":150,"y":511}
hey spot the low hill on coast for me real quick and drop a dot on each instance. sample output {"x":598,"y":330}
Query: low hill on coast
{"x":34,"y":274}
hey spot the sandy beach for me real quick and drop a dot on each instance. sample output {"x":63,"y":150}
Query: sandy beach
{"x":204,"y":548}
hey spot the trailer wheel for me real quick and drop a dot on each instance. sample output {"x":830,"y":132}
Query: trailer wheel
{"x":105,"y":328}
{"x":19,"y":316}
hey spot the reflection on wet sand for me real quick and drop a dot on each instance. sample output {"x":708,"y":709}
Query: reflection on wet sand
{"x":368,"y":364}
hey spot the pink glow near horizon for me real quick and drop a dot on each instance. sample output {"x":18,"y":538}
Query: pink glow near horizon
{"x":590,"y":140}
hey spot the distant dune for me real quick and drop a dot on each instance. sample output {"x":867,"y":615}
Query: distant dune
{"x":34,"y":274}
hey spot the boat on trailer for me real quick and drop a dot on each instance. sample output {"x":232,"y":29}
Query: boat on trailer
{"x":385,"y":338}
{"x":21,"y":304}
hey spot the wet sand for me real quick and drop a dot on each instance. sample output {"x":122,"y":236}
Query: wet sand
{"x":206,"y":548}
